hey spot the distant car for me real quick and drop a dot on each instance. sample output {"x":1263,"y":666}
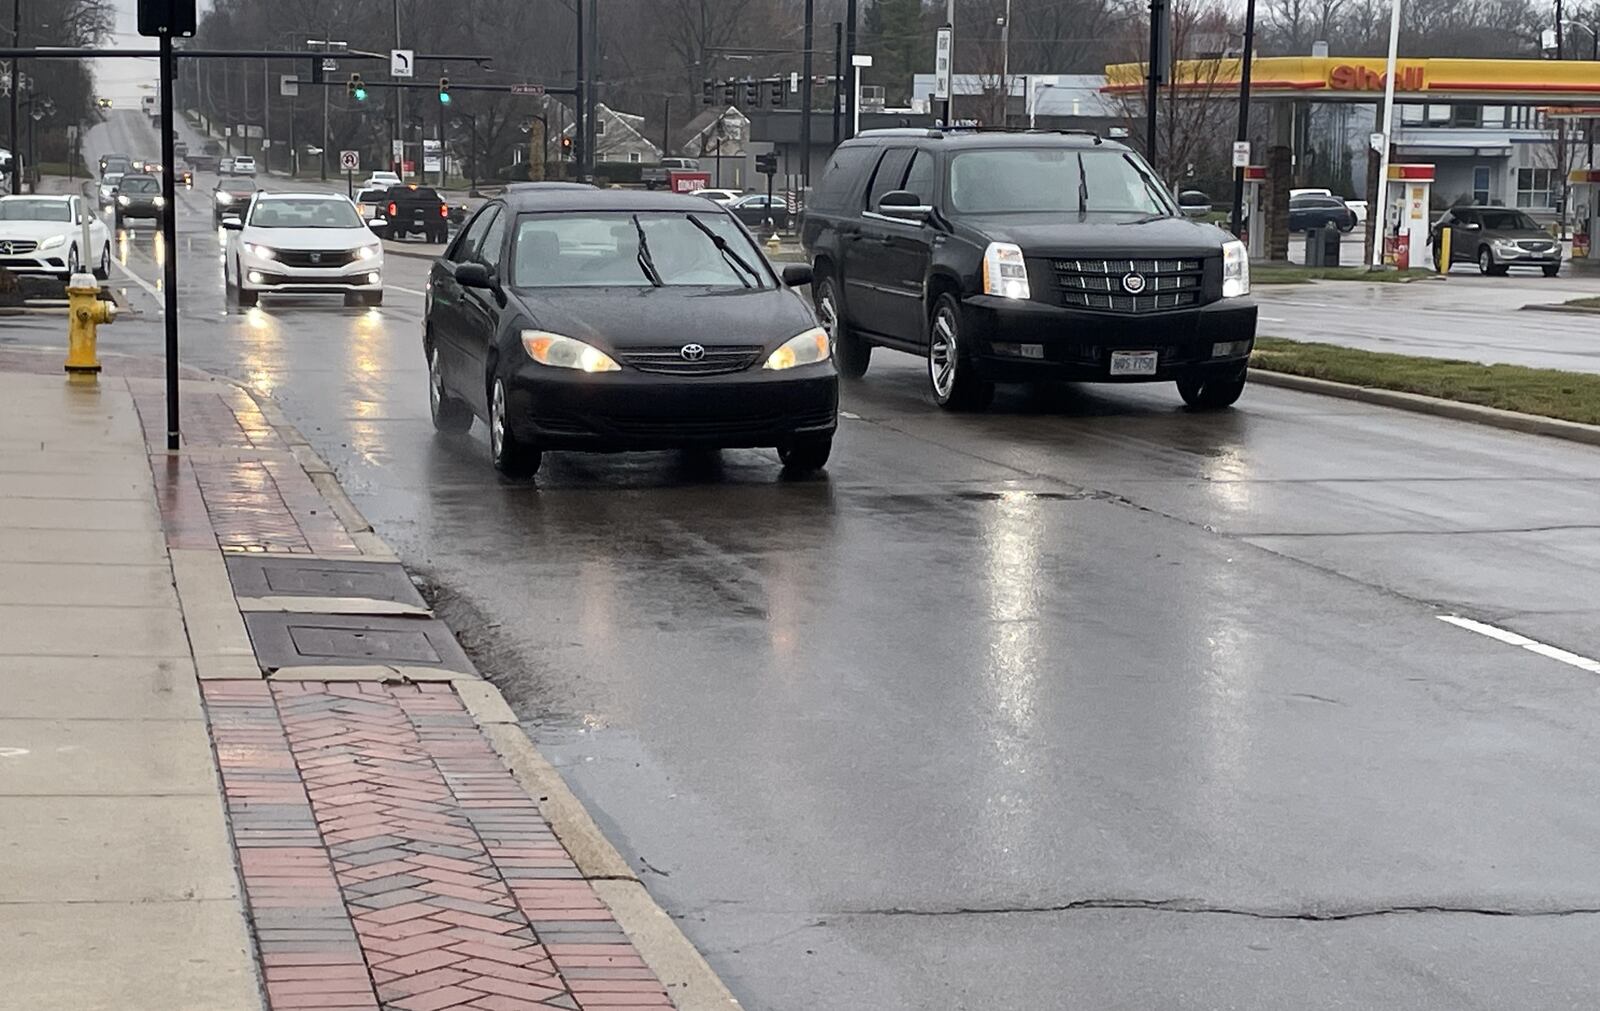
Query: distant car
{"x":381,"y":181}
{"x":139,"y":196}
{"x":43,"y":235}
{"x":115,"y":164}
{"x":655,"y":176}
{"x":225,"y":167}
{"x":757,"y":209}
{"x":244,"y":165}
{"x":303,"y":243}
{"x":1310,"y":212}
{"x":373,"y":206}
{"x":1360,"y":209}
{"x":1194,"y":204}
{"x":616,"y":320}
{"x":231,"y":197}
{"x":719,"y":196}
{"x":108,"y":190}
{"x":1497,"y":239}
{"x":186,"y":178}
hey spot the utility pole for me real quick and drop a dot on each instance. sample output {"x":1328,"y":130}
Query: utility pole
{"x":1153,"y":77}
{"x":266,"y":115}
{"x":838,"y":75}
{"x":950,"y":99}
{"x":591,"y":145}
{"x":850,"y":64}
{"x":1378,"y":213}
{"x":578,"y":99}
{"x":399,"y":104}
{"x":1243,"y":135}
{"x":16,"y":86}
{"x":666,"y":126}
{"x":805,"y":99}
{"x":1005,"y":68}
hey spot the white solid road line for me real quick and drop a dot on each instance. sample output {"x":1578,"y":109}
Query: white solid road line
{"x":141,"y":282}
{"x":1531,"y":645}
{"x":408,"y":291}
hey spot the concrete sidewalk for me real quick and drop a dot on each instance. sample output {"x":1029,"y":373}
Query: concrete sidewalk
{"x":243,"y":766}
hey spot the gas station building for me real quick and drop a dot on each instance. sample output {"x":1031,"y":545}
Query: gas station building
{"x":1479,"y":131}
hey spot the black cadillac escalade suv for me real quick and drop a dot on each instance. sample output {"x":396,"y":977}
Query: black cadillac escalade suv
{"x":1015,"y":257}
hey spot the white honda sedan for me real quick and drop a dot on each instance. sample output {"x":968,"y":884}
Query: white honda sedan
{"x":303,"y":244}
{"x":44,"y":235}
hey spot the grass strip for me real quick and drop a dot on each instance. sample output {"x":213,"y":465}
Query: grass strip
{"x":1284,"y":274}
{"x":1549,"y":393}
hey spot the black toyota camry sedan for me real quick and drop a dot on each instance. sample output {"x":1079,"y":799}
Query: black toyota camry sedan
{"x":607,"y":321}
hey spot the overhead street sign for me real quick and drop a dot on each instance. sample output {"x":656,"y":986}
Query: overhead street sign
{"x":288,"y":85}
{"x":349,"y":161}
{"x":527,"y":89}
{"x":402,"y":63}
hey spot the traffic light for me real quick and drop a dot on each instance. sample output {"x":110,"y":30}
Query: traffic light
{"x":566,"y":147}
{"x":444,"y":91}
{"x":708,"y":92}
{"x":752,"y":94}
{"x":729,"y":92}
{"x":357,"y":88}
{"x":775,"y":92}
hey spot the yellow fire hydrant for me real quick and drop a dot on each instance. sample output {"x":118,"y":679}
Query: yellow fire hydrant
{"x":85,"y":312}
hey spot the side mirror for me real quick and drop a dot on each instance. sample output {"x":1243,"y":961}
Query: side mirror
{"x":796,"y":275}
{"x":904,"y":205}
{"x":474,"y":275}
{"x":233,"y":223}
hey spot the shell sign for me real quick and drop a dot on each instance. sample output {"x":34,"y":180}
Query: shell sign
{"x":1349,"y":77}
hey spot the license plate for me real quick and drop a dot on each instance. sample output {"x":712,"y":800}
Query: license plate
{"x":1134,"y":363}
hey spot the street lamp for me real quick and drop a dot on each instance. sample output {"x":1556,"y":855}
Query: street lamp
{"x":857,"y":61}
{"x":1033,"y":99}
{"x":1380,"y":212}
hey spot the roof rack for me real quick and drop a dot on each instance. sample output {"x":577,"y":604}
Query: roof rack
{"x":942,"y":131}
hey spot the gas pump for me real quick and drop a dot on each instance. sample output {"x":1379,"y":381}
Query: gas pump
{"x":1255,"y":210}
{"x":1407,"y":216}
{"x":1586,"y":240}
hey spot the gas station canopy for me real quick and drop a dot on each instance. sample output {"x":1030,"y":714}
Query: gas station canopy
{"x":1361,"y":79}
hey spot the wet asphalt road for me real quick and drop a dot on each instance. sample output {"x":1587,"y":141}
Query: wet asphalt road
{"x":1084,"y":702}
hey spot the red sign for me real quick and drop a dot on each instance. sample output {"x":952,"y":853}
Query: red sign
{"x":1345,"y":77}
{"x":688,"y":182}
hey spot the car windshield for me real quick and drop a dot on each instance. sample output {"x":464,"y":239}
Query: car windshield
{"x":1507,"y":221}
{"x":372,"y":196}
{"x":1053,"y":180}
{"x":308,"y":212}
{"x":237,"y":189}
{"x":116,"y":165}
{"x":111,"y":179}
{"x":140,"y":185}
{"x":34,"y":210}
{"x":594,"y":250}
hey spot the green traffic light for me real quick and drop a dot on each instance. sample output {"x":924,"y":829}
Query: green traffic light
{"x":361,"y":94}
{"x":444,"y":98}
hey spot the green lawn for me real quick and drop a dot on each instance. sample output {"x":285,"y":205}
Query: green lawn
{"x":1285,"y":274}
{"x":1584,"y":303}
{"x":1551,"y":393}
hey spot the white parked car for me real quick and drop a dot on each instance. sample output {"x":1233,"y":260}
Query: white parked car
{"x":1360,"y":207}
{"x":244,"y":165}
{"x":225,"y":167}
{"x":44,"y":235}
{"x":719,"y":196}
{"x":302,"y":244}
{"x":381,"y":181}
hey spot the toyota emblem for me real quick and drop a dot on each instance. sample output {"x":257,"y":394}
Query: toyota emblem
{"x":1133,"y":284}
{"x":692,"y":352}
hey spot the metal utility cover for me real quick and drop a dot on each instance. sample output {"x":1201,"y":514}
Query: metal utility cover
{"x":257,"y":576}
{"x":300,"y":640}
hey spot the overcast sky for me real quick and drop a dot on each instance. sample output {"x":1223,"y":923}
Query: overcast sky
{"x":126,"y":81}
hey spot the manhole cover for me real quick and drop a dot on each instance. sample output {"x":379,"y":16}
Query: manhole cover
{"x":255,"y":576}
{"x":300,"y":640}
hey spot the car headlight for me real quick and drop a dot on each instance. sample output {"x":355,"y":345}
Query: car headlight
{"x":260,"y":252}
{"x":368,"y":252}
{"x":807,"y":348}
{"x":560,"y":352}
{"x":53,"y":241}
{"x":1235,"y":269}
{"x":1507,"y":244}
{"x":1005,"y":273}
{"x":161,"y":201}
{"x":124,"y":201}
{"x":224,"y":198}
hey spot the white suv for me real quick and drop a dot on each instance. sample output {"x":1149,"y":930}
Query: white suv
{"x":244,"y":165}
{"x":303,"y":244}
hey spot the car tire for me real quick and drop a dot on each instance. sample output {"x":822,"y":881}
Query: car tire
{"x":103,"y":272}
{"x":1486,"y":265}
{"x":1348,"y":227}
{"x":1212,"y":392}
{"x":449,"y":414}
{"x":74,"y":264}
{"x":511,"y":456}
{"x":1551,"y":269}
{"x":851,"y":354}
{"x":807,"y":455}
{"x":954,"y":382}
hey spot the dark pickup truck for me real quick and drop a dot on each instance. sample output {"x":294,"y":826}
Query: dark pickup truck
{"x":415,"y":210}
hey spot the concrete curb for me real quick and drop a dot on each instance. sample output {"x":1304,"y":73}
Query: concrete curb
{"x":410,"y":254}
{"x":690,"y":981}
{"x":1576,"y":310}
{"x":1513,"y":421}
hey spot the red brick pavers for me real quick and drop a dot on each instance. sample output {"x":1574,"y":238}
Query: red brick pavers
{"x":378,"y":830}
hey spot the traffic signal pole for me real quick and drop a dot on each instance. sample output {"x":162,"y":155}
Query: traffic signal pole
{"x":169,"y":238}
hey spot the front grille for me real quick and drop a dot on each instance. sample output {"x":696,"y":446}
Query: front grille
{"x":1537,"y":246}
{"x":1100,"y":284}
{"x":17,"y":247}
{"x":670,"y":360}
{"x":322,"y":257}
{"x":708,"y":428}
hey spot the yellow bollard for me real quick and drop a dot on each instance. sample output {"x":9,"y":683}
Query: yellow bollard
{"x":1443,"y":266}
{"x":85,"y":312}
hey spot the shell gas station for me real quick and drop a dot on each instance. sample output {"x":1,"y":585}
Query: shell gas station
{"x":1530,"y":96}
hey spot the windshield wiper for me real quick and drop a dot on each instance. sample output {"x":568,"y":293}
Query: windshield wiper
{"x":1152,"y":186}
{"x":728,"y":253}
{"x":646,"y":264}
{"x":1083,"y":190}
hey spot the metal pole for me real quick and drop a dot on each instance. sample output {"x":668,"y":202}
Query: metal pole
{"x":581,"y":71}
{"x":950,"y":99}
{"x":593,"y":90}
{"x":1005,"y":68}
{"x":1158,"y":10}
{"x":169,"y":238}
{"x":399,"y":101}
{"x":1245,"y":60}
{"x":850,"y":112}
{"x":805,"y":98}
{"x":666,"y":126}
{"x":326,"y":45}
{"x":16,"y":88}
{"x":838,"y":75}
{"x":1379,"y":215}
{"x":266,"y":114}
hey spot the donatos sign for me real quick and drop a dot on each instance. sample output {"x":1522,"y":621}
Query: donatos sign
{"x":1354,"y":77}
